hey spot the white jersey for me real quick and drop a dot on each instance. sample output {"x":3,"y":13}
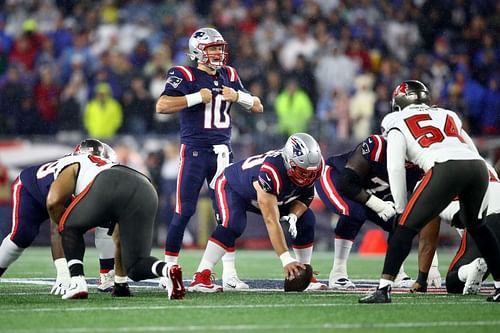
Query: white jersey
{"x":431,"y":135}
{"x":90,"y":166}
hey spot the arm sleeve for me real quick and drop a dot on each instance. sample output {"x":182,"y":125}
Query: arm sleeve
{"x":396,"y":152}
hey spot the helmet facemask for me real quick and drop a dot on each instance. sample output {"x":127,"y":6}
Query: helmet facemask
{"x":214,"y":60}
{"x":302,"y":177}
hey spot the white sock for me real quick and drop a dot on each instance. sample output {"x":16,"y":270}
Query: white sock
{"x":496,"y":284}
{"x":9,"y":252}
{"x":229,"y":264}
{"x":213,"y":253}
{"x":402,"y":270}
{"x":171,"y":259}
{"x":104,"y":243}
{"x":435,"y":261}
{"x":384,"y":283}
{"x":303,"y":255}
{"x":342,"y":251}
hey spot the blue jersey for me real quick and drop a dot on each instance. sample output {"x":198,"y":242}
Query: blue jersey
{"x":37,"y":180}
{"x":203,"y":125}
{"x":270,"y":172}
{"x":373,"y":150}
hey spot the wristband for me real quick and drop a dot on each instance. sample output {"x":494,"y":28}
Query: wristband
{"x":286,"y":258}
{"x":61,"y":266}
{"x":193,"y":99}
{"x":245,"y":99}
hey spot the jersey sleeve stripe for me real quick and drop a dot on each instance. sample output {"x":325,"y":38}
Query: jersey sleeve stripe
{"x":331,"y":192}
{"x":274,"y":176}
{"x":186,"y":71}
{"x":178,"y":202}
{"x":232,"y":73}
{"x":376,"y":154}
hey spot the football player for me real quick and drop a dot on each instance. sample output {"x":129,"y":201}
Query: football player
{"x":107,"y":194}
{"x":433,"y":139}
{"x":355,"y":186}
{"x":203,"y":96}
{"x":277,"y":185}
{"x":29,"y":211}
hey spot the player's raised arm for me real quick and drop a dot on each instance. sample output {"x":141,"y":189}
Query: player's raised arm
{"x":173,"y":104}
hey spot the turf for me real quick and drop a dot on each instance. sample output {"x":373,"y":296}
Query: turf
{"x":27,"y":306}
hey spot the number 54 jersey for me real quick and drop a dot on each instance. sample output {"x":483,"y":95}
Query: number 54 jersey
{"x":89,"y":167}
{"x":431,"y":135}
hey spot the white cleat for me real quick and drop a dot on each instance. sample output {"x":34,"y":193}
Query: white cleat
{"x":233,"y":283}
{"x":77,"y":289}
{"x":341,"y":283}
{"x":403,"y":280}
{"x":475,"y":277}
{"x":315,"y":285}
{"x":106,"y":281}
{"x":204,"y":282}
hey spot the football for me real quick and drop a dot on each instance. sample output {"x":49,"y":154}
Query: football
{"x":301,"y":281}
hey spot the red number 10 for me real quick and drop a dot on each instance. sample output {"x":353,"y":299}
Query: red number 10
{"x":427,"y":135}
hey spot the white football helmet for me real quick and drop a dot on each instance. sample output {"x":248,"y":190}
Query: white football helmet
{"x":303,"y":159}
{"x":203,"y":38}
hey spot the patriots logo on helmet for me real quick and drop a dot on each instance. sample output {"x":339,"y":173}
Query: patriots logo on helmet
{"x":174,"y":81}
{"x":199,"y":34}
{"x":297,"y":147}
{"x":400,"y":90}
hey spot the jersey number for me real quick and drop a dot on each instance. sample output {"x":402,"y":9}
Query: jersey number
{"x":46,"y":169}
{"x":214,"y":113}
{"x":258,"y":159}
{"x":427,"y":135}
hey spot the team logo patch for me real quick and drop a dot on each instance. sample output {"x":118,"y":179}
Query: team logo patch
{"x":365,"y":149}
{"x":400,"y":90}
{"x":266,"y":186}
{"x":174,"y":81}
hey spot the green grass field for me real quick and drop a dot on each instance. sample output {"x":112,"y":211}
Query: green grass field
{"x":27,"y":307}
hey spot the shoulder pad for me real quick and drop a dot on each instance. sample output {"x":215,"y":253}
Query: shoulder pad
{"x":186,"y":72}
{"x":231,"y":73}
{"x":373,"y":146}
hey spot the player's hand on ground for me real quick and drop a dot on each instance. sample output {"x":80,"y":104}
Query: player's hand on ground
{"x":229,"y":94}
{"x":292,"y":269}
{"x":61,"y":285}
{"x":291,"y":219}
{"x":206,"y":95}
{"x":434,"y":277}
{"x":384,"y":209}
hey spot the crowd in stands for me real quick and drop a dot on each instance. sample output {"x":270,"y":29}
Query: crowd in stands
{"x":98,"y":66}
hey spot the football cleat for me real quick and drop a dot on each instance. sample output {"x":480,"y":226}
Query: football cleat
{"x":341,"y":283}
{"x":495,"y":297}
{"x":403,"y":280}
{"x":77,"y":289}
{"x":106,"y":281}
{"x":233,"y":283}
{"x":121,"y":290}
{"x":382,"y":295}
{"x":174,"y":284}
{"x":316,"y":285}
{"x":204,"y":282}
{"x":475,"y":276}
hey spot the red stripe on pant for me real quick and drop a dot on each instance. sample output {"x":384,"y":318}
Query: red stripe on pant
{"x":418,"y":191}
{"x":73,"y":203}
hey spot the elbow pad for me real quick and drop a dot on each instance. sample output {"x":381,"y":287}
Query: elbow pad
{"x":349,"y":183}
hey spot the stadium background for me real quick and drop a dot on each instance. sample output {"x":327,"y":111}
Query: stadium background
{"x":322,"y":66}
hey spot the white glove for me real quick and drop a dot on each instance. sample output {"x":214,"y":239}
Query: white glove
{"x":292,"y":221}
{"x":384,"y":209}
{"x":63,"y":280}
{"x":434,"y":277}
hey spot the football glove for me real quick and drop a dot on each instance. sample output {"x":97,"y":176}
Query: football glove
{"x":291,"y":219}
{"x":63,"y":280}
{"x":434,"y":278}
{"x":384,"y":209}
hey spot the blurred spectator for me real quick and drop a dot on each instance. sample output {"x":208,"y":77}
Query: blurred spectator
{"x":12,"y":91}
{"x":334,"y":114}
{"x":299,"y":42}
{"x":138,"y":108}
{"x":46,"y":93}
{"x":103,"y":114}
{"x":362,"y":107}
{"x":293,"y":108}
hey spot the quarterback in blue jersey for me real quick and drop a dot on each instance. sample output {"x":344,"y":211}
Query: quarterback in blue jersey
{"x":29,"y":211}
{"x":203,"y":96}
{"x":355,"y":186}
{"x":276,"y":184}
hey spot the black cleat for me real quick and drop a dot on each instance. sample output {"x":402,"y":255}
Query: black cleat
{"x":121,"y":290}
{"x":495,"y":297}
{"x":382,"y":295}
